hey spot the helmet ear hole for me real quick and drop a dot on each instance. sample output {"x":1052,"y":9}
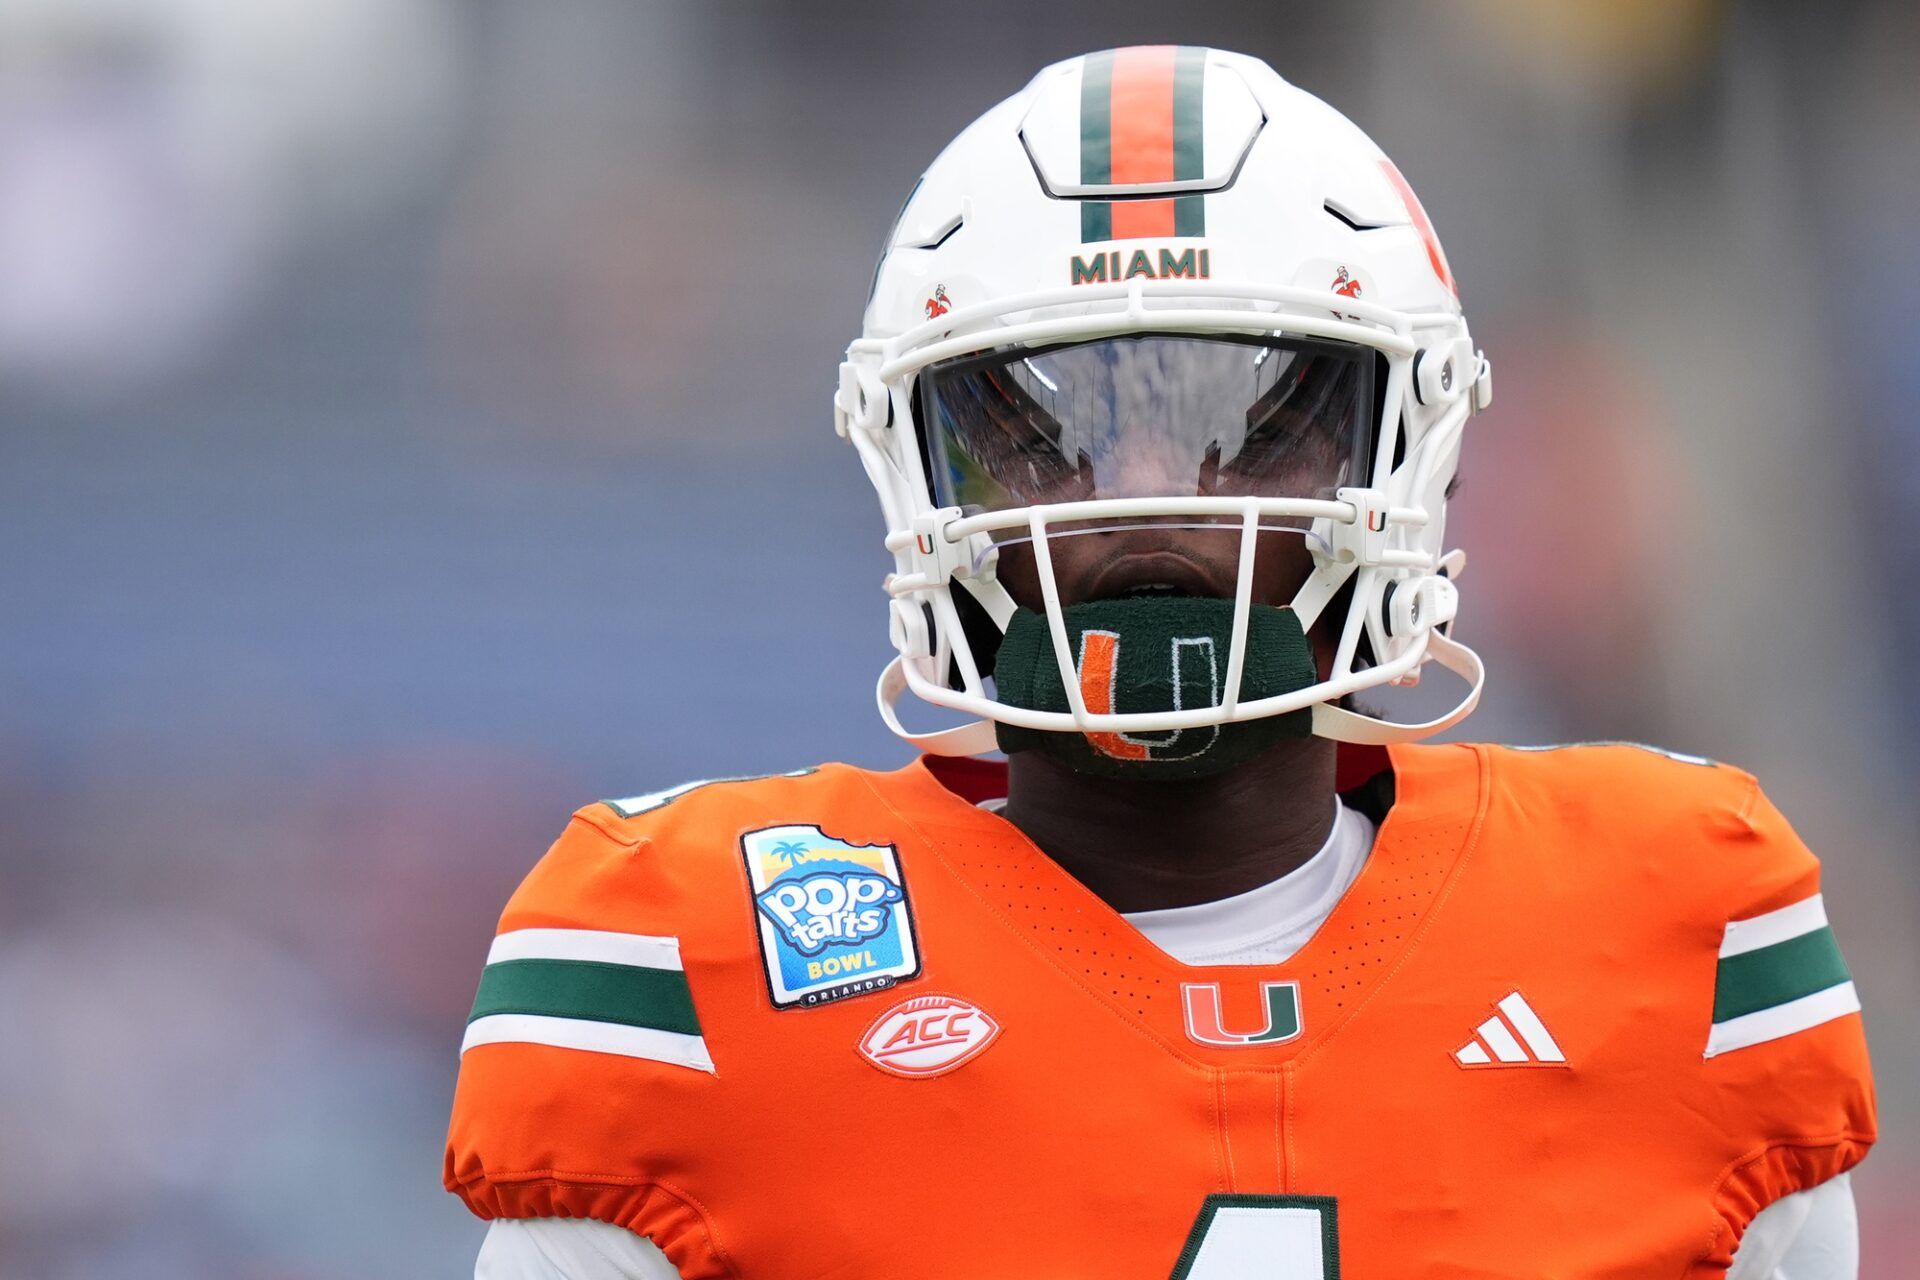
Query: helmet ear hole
{"x":982,"y":636}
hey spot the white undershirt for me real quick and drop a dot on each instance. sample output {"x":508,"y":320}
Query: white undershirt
{"x":1812,"y":1235}
{"x":1270,"y":924}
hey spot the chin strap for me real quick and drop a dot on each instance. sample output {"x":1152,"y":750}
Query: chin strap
{"x":977,"y":737}
{"x":1343,"y":725}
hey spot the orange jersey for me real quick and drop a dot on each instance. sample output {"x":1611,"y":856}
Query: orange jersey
{"x":1578,"y":1016}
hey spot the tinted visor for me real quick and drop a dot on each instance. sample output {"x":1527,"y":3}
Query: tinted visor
{"x":1147,"y":416}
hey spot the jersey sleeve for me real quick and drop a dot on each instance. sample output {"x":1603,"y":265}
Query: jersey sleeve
{"x":585,"y":1064}
{"x":1783,"y":1047}
{"x":1810,"y":1235}
{"x":568,"y":1249}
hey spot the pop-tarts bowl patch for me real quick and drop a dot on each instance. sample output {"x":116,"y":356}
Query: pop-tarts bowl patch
{"x":833,"y":917}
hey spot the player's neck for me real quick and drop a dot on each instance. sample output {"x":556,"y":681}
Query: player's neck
{"x":1145,"y":846}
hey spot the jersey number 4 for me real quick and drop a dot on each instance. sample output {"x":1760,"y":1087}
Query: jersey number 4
{"x":1262,"y":1238}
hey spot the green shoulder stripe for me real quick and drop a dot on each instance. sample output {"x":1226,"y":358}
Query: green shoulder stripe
{"x":616,"y":993}
{"x":1755,"y":980}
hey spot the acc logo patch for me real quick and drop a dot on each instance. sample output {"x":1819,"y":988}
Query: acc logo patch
{"x":833,"y":917}
{"x":928,"y":1036}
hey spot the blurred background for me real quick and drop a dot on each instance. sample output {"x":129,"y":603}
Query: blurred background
{"x":414,"y":423}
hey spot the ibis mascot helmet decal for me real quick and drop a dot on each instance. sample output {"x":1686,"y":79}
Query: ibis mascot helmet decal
{"x":1093,"y":271}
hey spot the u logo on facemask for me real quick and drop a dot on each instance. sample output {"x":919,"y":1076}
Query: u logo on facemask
{"x":1192,"y":658}
{"x":1152,"y":656}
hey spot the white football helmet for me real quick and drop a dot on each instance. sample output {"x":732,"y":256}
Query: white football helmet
{"x":1187,"y":194}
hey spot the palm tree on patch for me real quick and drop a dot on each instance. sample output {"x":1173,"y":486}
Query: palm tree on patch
{"x":786,"y":851}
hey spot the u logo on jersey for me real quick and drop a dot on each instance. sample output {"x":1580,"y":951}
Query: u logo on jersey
{"x":1192,"y":661}
{"x":1206,"y":1024}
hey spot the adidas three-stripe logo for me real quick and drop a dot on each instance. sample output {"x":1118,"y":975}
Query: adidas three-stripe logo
{"x":1513,"y":1037}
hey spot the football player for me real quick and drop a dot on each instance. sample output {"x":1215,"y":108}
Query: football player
{"x":1162,"y":386}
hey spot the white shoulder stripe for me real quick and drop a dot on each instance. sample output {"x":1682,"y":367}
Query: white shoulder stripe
{"x":595,"y":1037}
{"x":1783,"y":1019}
{"x":1752,"y":934}
{"x":636,"y":949}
